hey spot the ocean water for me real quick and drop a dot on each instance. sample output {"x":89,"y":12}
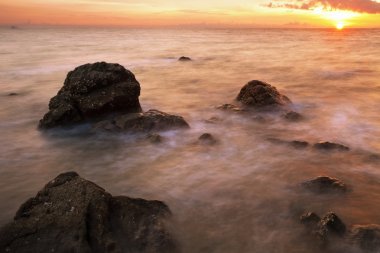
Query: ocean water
{"x":241,"y":195}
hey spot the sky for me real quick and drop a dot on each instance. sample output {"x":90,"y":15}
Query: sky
{"x":203,"y":13}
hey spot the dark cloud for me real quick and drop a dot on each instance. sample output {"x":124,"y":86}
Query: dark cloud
{"x":363,"y":6}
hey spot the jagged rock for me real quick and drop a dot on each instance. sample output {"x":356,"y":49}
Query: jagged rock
{"x":184,"y":58}
{"x":155,"y":138}
{"x":258,"y":94}
{"x":93,"y":90}
{"x":366,"y":237}
{"x":207,"y":139}
{"x":324,"y":184}
{"x":230,"y":107}
{"x":71,"y":214}
{"x":330,"y":146}
{"x":293,"y":116}
{"x":150,"y":121}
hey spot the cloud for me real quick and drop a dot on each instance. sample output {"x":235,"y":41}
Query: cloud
{"x":362,"y":6}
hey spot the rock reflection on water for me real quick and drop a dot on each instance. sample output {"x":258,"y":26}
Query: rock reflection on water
{"x":240,"y":195}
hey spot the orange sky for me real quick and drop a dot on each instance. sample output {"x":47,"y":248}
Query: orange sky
{"x":224,"y":13}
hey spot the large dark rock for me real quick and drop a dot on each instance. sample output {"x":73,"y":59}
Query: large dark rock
{"x":90,"y":91}
{"x":150,"y":121}
{"x":324,"y":184}
{"x":366,"y":237}
{"x":71,"y":214}
{"x":258,"y":94}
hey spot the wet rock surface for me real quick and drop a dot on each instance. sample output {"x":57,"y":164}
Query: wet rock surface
{"x":325,"y":184}
{"x":258,"y":94}
{"x":330,"y":146}
{"x":150,"y":121}
{"x":71,"y":214}
{"x":93,"y":90}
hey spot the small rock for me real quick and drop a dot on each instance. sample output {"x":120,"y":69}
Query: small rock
{"x":207,"y":139}
{"x":230,"y":107}
{"x":184,"y":58}
{"x":13,"y":94}
{"x":330,"y":146}
{"x":258,"y":94}
{"x":293,"y":116}
{"x":325,"y":184}
{"x":366,"y":237}
{"x":155,"y":138}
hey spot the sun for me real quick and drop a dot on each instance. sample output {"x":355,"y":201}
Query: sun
{"x":340,"y":25}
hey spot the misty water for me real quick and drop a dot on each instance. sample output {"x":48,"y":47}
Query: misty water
{"x":241,"y":195}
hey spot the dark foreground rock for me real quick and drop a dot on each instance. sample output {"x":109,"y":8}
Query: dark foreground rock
{"x":324,"y":184}
{"x":150,"y":121}
{"x":184,"y":58}
{"x":258,"y":94}
{"x":90,"y":91}
{"x":71,"y":214}
{"x":330,"y":146}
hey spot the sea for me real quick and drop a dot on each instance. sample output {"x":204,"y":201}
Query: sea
{"x":238,"y":196}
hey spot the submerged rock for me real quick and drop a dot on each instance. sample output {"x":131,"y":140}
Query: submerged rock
{"x":90,"y":91}
{"x":324,"y":184}
{"x":230,"y":107}
{"x":12,"y":94}
{"x":207,"y":139}
{"x":258,"y":94}
{"x":330,"y":146}
{"x":71,"y":214}
{"x":150,"y":121}
{"x":184,"y":58}
{"x":293,"y":116}
{"x":365,"y":237}
{"x":155,"y":138}
{"x":295,"y":144}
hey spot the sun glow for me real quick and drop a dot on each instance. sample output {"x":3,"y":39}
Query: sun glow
{"x":337,"y":17}
{"x":340,"y":25}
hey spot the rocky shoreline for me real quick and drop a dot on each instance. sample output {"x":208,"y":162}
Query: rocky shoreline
{"x":71,"y":214}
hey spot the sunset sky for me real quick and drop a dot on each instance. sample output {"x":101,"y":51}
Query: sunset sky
{"x":213,"y":13}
